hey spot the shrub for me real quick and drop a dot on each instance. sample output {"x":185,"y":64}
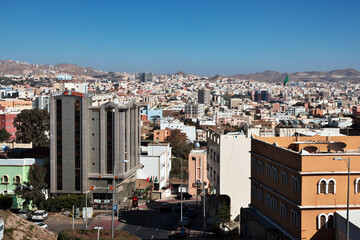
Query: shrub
{"x":6,"y":201}
{"x":55,"y":204}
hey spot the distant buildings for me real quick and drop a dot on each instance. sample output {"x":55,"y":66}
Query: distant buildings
{"x":204,"y":96}
{"x":146,"y":77}
{"x":90,"y":144}
{"x":193,"y":110}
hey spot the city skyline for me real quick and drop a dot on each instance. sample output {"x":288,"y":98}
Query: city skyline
{"x":202,"y":37}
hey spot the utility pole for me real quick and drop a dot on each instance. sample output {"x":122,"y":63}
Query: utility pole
{"x":181,"y":190}
{"x":86,"y":207}
{"x":98,"y":232}
{"x":73,"y":215}
{"x":204,"y":195}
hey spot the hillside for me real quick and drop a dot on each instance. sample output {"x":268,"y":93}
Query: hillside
{"x":17,"y":228}
{"x":272,"y":76}
{"x":23,"y":68}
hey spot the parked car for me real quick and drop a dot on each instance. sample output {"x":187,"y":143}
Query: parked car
{"x":178,"y":207}
{"x":182,"y":232}
{"x":185,"y":222}
{"x":191,"y":213}
{"x":39,"y":215}
{"x":41,"y":224}
{"x":185,"y":196}
{"x":165,"y":207}
{"x":24,"y":213}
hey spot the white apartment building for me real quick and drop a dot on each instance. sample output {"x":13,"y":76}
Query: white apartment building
{"x":172,"y":124}
{"x":228,"y":168}
{"x":156,"y":159}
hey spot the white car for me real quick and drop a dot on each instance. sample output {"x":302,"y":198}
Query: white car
{"x":39,"y":215}
{"x":41,"y":224}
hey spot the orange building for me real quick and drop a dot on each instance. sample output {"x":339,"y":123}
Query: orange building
{"x":161,"y":135}
{"x":197,"y":171}
{"x":21,"y":104}
{"x":296,"y":186}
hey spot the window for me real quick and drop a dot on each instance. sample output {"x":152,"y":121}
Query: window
{"x":284,"y":178}
{"x":253,"y":164}
{"x":283,"y":210}
{"x":327,"y":186}
{"x":274,"y":204}
{"x":17,"y":179}
{"x":330,"y":221}
{"x":357,"y":185}
{"x":323,"y":186}
{"x":260,"y":167}
{"x":295,"y":183}
{"x":325,"y":221}
{"x":5,"y":179}
{"x":331,"y":187}
{"x":193,"y":158}
{"x":259,"y":194}
{"x":275,"y":175}
{"x":294,"y":217}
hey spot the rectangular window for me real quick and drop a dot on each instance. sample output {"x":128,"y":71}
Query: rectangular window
{"x":59,"y":144}
{"x":77,"y":146}
{"x":109,"y":139}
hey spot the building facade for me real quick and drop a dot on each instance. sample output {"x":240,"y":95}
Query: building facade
{"x":7,"y":122}
{"x":197,"y":163}
{"x":204,"y":96}
{"x":297,"y":186}
{"x":90,"y":145}
{"x":228,"y":169}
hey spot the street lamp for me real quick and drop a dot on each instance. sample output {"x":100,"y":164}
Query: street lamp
{"x":347,"y":160}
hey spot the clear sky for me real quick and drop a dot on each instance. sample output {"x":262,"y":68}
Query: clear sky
{"x":195,"y":36}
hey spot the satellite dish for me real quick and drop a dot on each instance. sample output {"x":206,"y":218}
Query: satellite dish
{"x":5,"y":148}
{"x":336,"y":146}
{"x":310,"y":149}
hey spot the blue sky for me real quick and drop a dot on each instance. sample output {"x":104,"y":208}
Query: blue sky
{"x":195,"y":36}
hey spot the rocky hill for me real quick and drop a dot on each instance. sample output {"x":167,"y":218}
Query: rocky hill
{"x":272,"y":76}
{"x":17,"y":228}
{"x":24,"y":68}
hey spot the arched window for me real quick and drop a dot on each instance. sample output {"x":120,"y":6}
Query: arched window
{"x":274,"y":204}
{"x":253,"y":164}
{"x":253,"y":191}
{"x":259,"y":195}
{"x":284,"y":178}
{"x":295,"y":183}
{"x":283,"y":210}
{"x":322,"y":221}
{"x":5,"y":179}
{"x":322,"y":186}
{"x":357,"y":185}
{"x":275,"y":174}
{"x":17,"y":179}
{"x":260,"y":167}
{"x":331,"y":186}
{"x":294,"y":217}
{"x":268,"y":170}
{"x":330,"y":221}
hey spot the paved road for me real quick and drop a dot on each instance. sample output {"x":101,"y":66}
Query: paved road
{"x":57,"y":222}
{"x":150,"y":223}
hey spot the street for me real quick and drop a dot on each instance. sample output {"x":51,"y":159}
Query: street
{"x":150,"y":223}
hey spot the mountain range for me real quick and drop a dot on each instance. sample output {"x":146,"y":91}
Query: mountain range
{"x":23,"y":68}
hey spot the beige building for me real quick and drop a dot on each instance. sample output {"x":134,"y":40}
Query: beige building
{"x":297,"y":186}
{"x":229,"y":170}
{"x":197,"y":171}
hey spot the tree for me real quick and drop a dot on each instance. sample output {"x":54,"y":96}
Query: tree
{"x":33,"y":190}
{"x":177,"y":140}
{"x":31,"y":126}
{"x":223,"y":216}
{"x":6,"y":201}
{"x":4,"y":135}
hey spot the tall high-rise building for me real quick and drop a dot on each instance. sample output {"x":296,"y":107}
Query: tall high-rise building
{"x":204,"y":96}
{"x":146,"y":77}
{"x":90,"y":144}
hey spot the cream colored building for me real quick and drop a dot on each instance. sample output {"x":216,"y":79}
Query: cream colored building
{"x":229,"y":169}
